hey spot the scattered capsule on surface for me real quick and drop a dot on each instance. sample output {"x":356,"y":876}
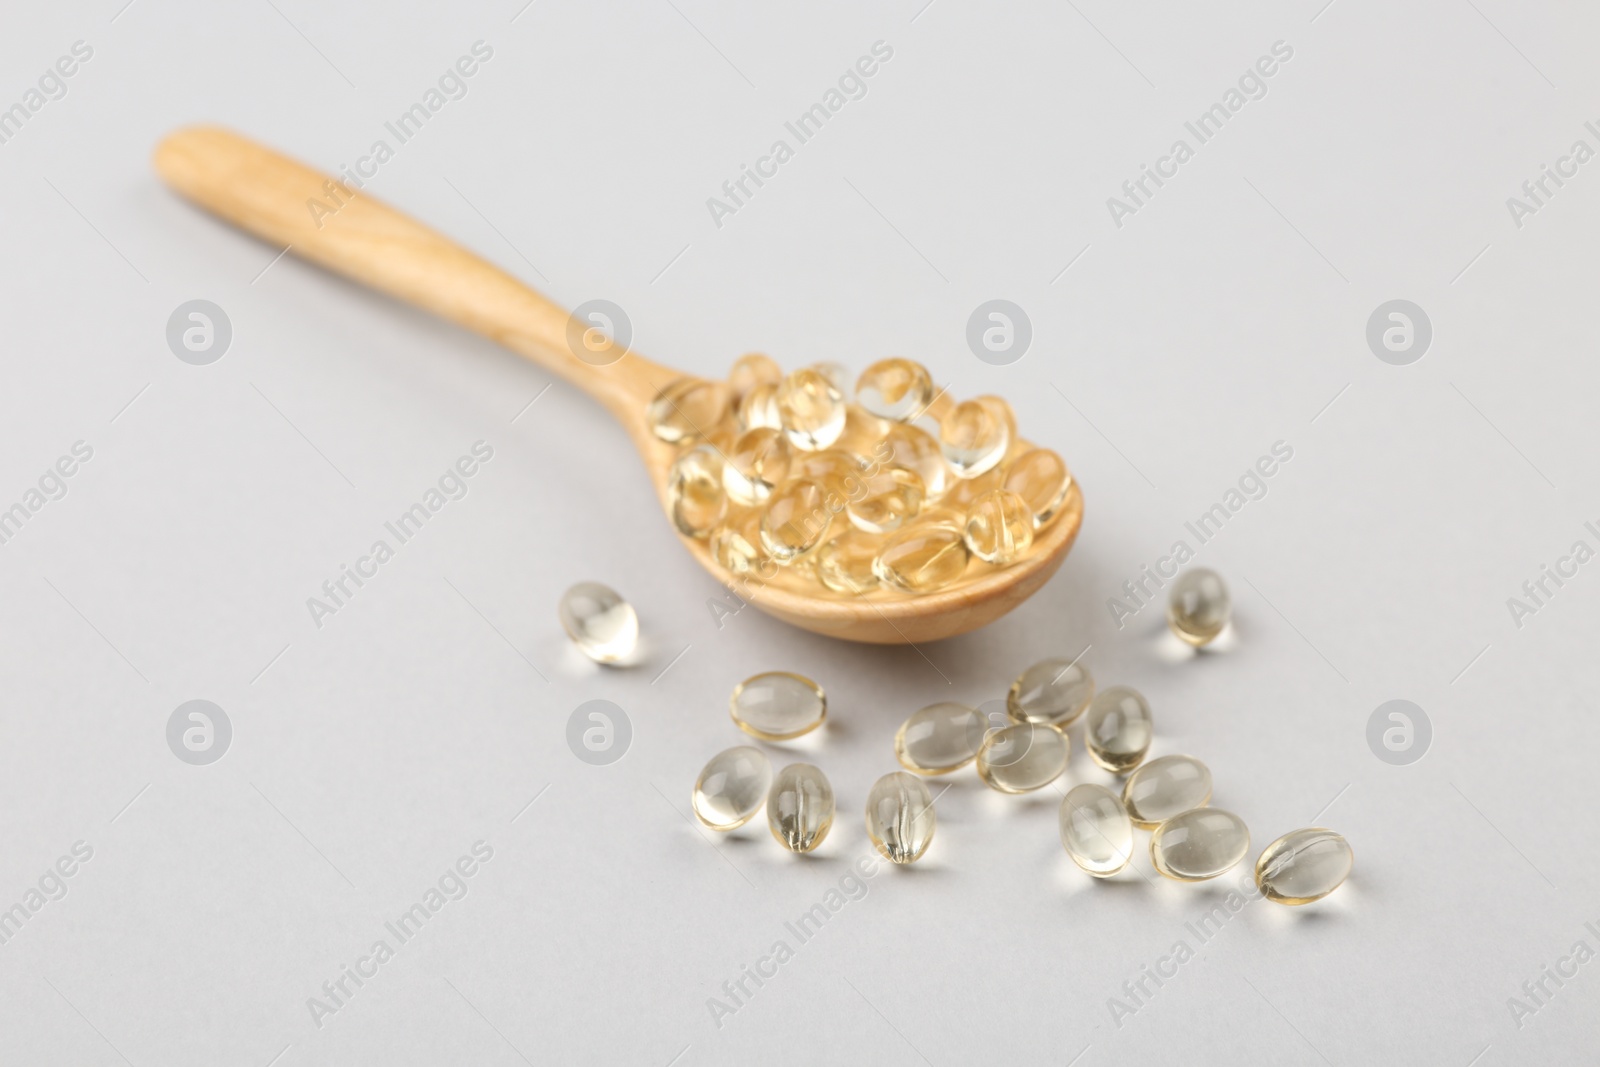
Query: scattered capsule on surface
{"x":759,"y":407}
{"x":973,"y":437}
{"x":940,"y":738}
{"x":890,"y":497}
{"x":999,"y":528}
{"x":1303,"y":866}
{"x":1199,"y":606}
{"x":1096,"y":830}
{"x":844,"y":564}
{"x":1041,"y":479}
{"x":922,"y":557}
{"x":601,"y":623}
{"x":1119,"y":729}
{"x":732,"y":787}
{"x":1165,"y":787}
{"x":1053,"y":690}
{"x":689,"y":408}
{"x":897,"y":389}
{"x":900,"y":817}
{"x":800,"y":807}
{"x":1022,"y":757}
{"x":778,"y":705}
{"x":795,"y":520}
{"x":751,"y":370}
{"x":694,"y":491}
{"x":1199,"y":844}
{"x":811,"y":409}
{"x":917,"y":451}
{"x":756,"y":463}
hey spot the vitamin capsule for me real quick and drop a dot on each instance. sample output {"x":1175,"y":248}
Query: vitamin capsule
{"x":900,"y":818}
{"x":890,"y":497}
{"x":1053,"y":690}
{"x":694,"y":492}
{"x":940,"y":738}
{"x":732,"y":788}
{"x":1022,"y":757}
{"x":800,"y":807}
{"x":1165,"y":787}
{"x":999,"y":528}
{"x":777,"y":705}
{"x":811,"y":409}
{"x":838,"y":375}
{"x":599,"y":621}
{"x":917,"y":451}
{"x":795,"y":521}
{"x":1304,"y":865}
{"x":759,"y":407}
{"x":922,"y":557}
{"x":736,"y":544}
{"x":756,"y":463}
{"x":1096,"y":830}
{"x":1199,"y":844}
{"x":1119,"y":729}
{"x":751,"y":370}
{"x":839,"y":472}
{"x":964,"y":492}
{"x":844,"y":564}
{"x":862,"y":431}
{"x":688,"y":409}
{"x":897,"y":389}
{"x":1039,"y":477}
{"x":973,"y":437}
{"x":1001,"y":410}
{"x":1199,"y":606}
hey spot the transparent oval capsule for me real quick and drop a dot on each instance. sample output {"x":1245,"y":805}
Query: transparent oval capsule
{"x":1022,"y":757}
{"x":759,"y":408}
{"x":1053,"y":690}
{"x":778,"y":705}
{"x":897,"y":389}
{"x":940,"y":738}
{"x":844,"y":564}
{"x":900,"y":817}
{"x":890,"y":497}
{"x":1001,"y":410}
{"x":800,"y":807}
{"x":1119,"y":729}
{"x":756,"y":464}
{"x":811,"y":408}
{"x":999,"y":528}
{"x":917,"y":451}
{"x":1164,"y":787}
{"x":1096,"y":830}
{"x":795,"y":521}
{"x":1304,"y":865}
{"x":973,"y":437}
{"x":689,"y":409}
{"x":862,"y":431}
{"x":601,"y":623}
{"x":1199,"y":844}
{"x":924,"y":557}
{"x":732,"y":788}
{"x":837,"y":374}
{"x":751,"y":370}
{"x":1039,"y":477}
{"x":964,"y":492}
{"x":694,"y":492}
{"x":837,"y":471}
{"x":736,"y":543}
{"x":1198,"y":606}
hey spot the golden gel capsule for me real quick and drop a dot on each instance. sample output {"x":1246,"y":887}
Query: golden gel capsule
{"x":601,"y":623}
{"x":759,"y":407}
{"x":838,"y":375}
{"x":922,"y":557}
{"x":756,"y":463}
{"x":844,"y":564}
{"x":900,"y":818}
{"x":777,"y":705}
{"x":1119,"y":729}
{"x":1040,"y":477}
{"x":800,"y":807}
{"x":1053,"y":690}
{"x":1096,"y":830}
{"x":736,"y":543}
{"x":1198,"y":607}
{"x":694,"y":492}
{"x":917,"y":451}
{"x":897,"y":389}
{"x":751,"y":370}
{"x":1303,"y":866}
{"x":862,"y":431}
{"x":999,"y":528}
{"x":940,"y":738}
{"x":964,"y":492}
{"x":1199,"y":844}
{"x":839,"y":472}
{"x":890,"y":497}
{"x":811,"y":408}
{"x":973,"y":437}
{"x":1022,"y":757}
{"x":732,"y":787}
{"x":795,"y":521}
{"x":688,"y":409}
{"x":1165,"y":787}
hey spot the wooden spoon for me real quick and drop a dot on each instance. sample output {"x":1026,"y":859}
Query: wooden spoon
{"x":270,"y":195}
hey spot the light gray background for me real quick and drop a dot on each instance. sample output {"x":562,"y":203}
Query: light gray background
{"x":1226,"y":315}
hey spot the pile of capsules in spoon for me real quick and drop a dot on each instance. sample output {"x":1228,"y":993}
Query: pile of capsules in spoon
{"x":880,"y":487}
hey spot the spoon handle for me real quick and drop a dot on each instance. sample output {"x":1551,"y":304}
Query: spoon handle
{"x":345,"y":230}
